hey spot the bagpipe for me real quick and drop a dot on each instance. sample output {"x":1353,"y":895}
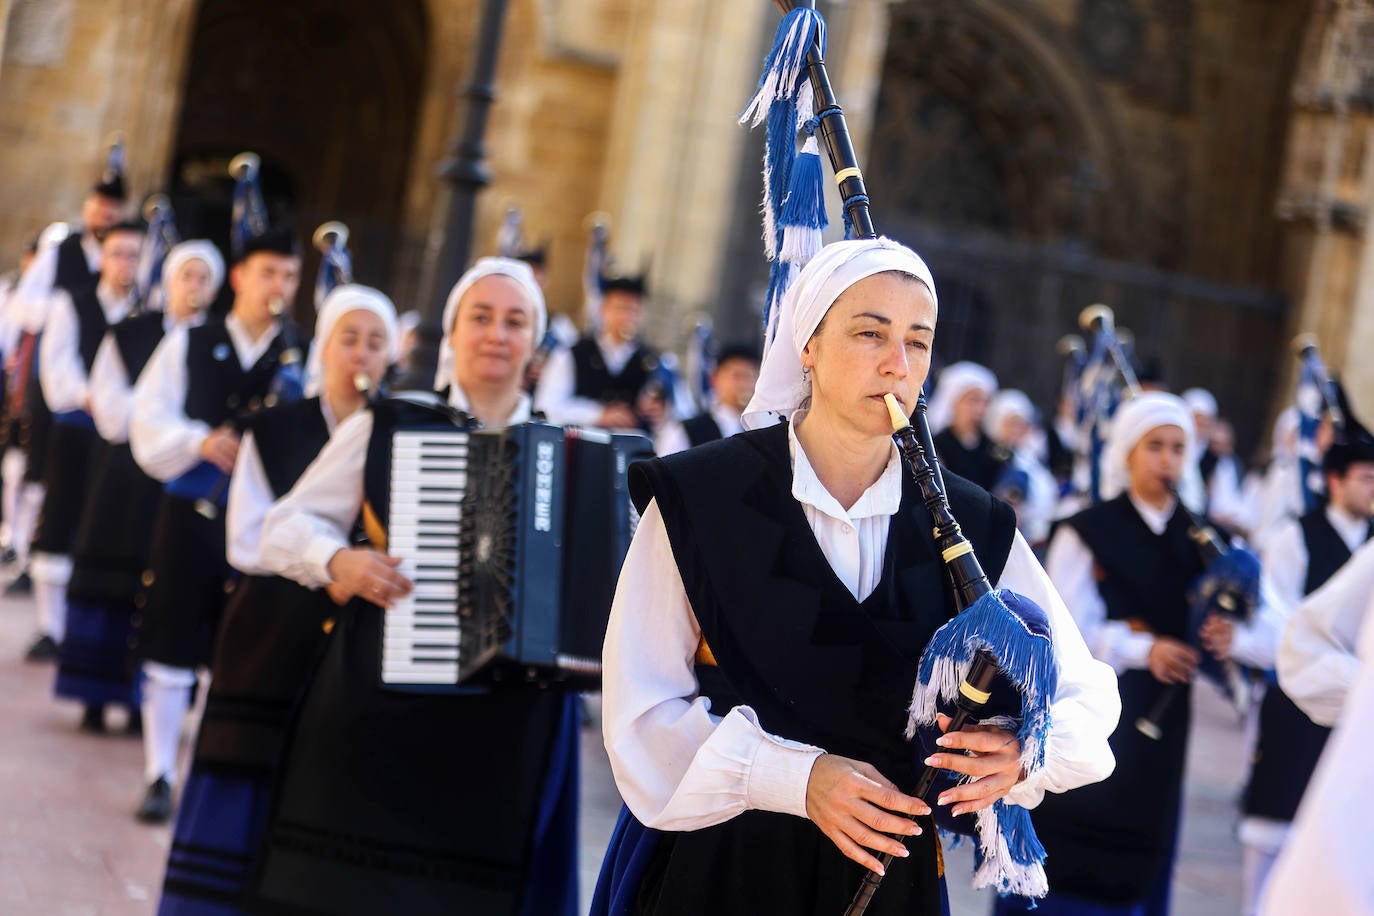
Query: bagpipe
{"x":330,"y":239}
{"x":249,"y":220}
{"x":160,"y":238}
{"x":1317,"y":397}
{"x":994,"y":656}
{"x":1104,"y":380}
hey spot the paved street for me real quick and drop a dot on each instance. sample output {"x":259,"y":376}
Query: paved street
{"x":69,"y":845}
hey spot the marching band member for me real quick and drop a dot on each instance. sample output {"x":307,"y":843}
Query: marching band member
{"x":1010,"y":421}
{"x":197,"y":383}
{"x":1324,"y":866}
{"x":463,"y":803}
{"x":1301,"y":556}
{"x":732,"y":386}
{"x":15,"y":523}
{"x":1125,"y":567}
{"x":111,"y":547}
{"x":272,"y":629}
{"x":75,"y":326}
{"x":599,"y":380}
{"x":764,"y":640}
{"x":956,"y":418}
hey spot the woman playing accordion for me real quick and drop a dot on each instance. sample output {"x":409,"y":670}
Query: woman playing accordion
{"x":416,"y":802}
{"x":776,"y":599}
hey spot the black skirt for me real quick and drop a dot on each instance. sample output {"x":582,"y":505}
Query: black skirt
{"x":65,"y":475}
{"x":265,"y":653}
{"x":111,"y":547}
{"x":185,"y":586}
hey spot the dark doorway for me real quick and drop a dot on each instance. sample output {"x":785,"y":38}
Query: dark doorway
{"x":327,"y":92}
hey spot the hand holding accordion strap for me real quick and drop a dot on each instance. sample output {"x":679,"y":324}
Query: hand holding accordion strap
{"x":995,"y":633}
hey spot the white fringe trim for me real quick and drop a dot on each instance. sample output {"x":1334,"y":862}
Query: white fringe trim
{"x":998,"y":870}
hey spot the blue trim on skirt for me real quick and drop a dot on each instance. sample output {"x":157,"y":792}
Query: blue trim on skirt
{"x":93,"y":664}
{"x":215,"y":847}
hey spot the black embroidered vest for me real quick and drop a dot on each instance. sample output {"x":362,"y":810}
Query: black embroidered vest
{"x":288,"y":437}
{"x":218,"y":388}
{"x":701,"y":429}
{"x":595,"y":381}
{"x":137,"y":337}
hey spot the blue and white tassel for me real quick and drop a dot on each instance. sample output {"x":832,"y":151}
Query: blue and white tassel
{"x":1016,"y":632}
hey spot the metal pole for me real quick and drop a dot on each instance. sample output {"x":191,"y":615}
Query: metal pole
{"x":466,"y":172}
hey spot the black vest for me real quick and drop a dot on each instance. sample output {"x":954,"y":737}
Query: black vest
{"x":73,"y":273}
{"x":91,"y":325}
{"x":1110,"y":841}
{"x":595,"y":382}
{"x":815,"y":664}
{"x":701,"y":429}
{"x":136,"y":338}
{"x":218,"y":389}
{"x":983,"y":464}
{"x":1289,"y":744}
{"x":289,"y":437}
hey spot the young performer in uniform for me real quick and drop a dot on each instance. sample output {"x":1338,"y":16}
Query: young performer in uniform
{"x":769,"y":619}
{"x":16,"y":523}
{"x":111,"y":547}
{"x":273,"y":628}
{"x":197,"y":385}
{"x":76,"y":325}
{"x":599,"y":380}
{"x":1301,"y":556}
{"x":732,"y":385}
{"x":1125,"y":567}
{"x":956,"y":418}
{"x":401,"y":802}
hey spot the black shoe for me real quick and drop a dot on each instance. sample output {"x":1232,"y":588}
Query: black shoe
{"x":8,"y":555}
{"x":22,"y":585}
{"x":93,"y":719}
{"x":134,"y":726}
{"x":156,"y":807}
{"x":42,"y":650}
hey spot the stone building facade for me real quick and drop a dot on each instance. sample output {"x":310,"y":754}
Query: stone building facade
{"x":1201,"y":167}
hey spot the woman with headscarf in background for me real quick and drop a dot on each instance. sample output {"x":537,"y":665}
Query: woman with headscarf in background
{"x":956,"y":416}
{"x":272,"y":629}
{"x":1025,"y":482}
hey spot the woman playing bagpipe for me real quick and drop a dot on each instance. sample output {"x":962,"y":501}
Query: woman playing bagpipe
{"x":272,"y":629}
{"x":779,"y":592}
{"x":406,"y":802}
{"x":112,"y":541}
{"x":1125,"y":568}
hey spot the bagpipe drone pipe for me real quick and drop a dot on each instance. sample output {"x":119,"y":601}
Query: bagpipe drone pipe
{"x":994,"y":657}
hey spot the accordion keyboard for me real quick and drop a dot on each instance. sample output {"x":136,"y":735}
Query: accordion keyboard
{"x":421,"y":634}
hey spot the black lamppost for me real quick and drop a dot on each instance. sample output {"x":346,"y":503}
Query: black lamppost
{"x":465,"y":170}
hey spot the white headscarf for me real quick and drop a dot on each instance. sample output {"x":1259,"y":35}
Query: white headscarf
{"x":1133,"y":421}
{"x":350,"y":297}
{"x":1200,"y":400}
{"x":195,"y":250}
{"x":956,"y":381}
{"x":1007,"y":403}
{"x":1284,"y":444}
{"x":782,"y":387}
{"x":518,"y":271}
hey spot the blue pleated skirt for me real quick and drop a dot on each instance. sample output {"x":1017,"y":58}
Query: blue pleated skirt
{"x":93,"y":665}
{"x":215,"y":845}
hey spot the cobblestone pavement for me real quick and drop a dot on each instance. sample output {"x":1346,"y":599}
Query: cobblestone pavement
{"x":69,"y":845}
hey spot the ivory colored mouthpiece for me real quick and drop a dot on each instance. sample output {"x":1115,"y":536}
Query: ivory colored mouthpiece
{"x":895,"y":412}
{"x":277,"y":305}
{"x":362,"y":382}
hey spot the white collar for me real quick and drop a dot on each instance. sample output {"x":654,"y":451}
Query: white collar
{"x":113,"y":306}
{"x":608,"y":345}
{"x":1155,"y":519}
{"x":170,"y":324}
{"x":883,"y":497}
{"x":459,"y":399}
{"x":727,"y":418}
{"x":1352,"y":529}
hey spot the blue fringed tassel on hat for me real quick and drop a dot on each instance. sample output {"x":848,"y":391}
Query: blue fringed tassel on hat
{"x":1016,"y":631}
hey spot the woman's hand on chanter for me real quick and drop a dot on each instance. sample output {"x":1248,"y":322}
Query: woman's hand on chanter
{"x":852,"y":803}
{"x":369,"y":574}
{"x":995,"y":764}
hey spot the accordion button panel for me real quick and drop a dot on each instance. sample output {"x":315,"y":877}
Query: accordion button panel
{"x":421,"y":631}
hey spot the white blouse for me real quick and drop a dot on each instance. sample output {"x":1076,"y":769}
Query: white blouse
{"x":556,"y":393}
{"x":1285,"y":552}
{"x":307,"y":526}
{"x":112,"y":391}
{"x":60,"y":369}
{"x":681,"y":766}
{"x":1071,"y":567}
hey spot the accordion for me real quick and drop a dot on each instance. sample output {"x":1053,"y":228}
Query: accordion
{"x":514,"y":539}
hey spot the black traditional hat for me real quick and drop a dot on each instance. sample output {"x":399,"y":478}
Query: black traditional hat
{"x":111,"y":183}
{"x":277,"y":240}
{"x":535,"y":257}
{"x":127,"y":225}
{"x":743,"y":351}
{"x":1352,"y":442}
{"x":635,"y":284}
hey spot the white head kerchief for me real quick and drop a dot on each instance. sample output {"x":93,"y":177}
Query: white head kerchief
{"x":1007,"y":403}
{"x":1284,"y":444}
{"x":1133,"y":421}
{"x":782,"y":388}
{"x":518,"y":271}
{"x":1200,"y":400}
{"x":195,"y":250}
{"x":954,"y":382}
{"x":350,"y":297}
